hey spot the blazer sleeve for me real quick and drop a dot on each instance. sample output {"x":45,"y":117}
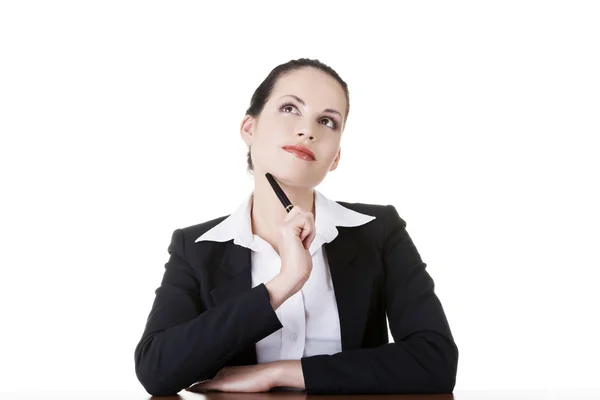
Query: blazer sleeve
{"x":423,"y":357}
{"x":183,"y":342}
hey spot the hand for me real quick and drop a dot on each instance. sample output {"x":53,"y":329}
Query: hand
{"x":296,"y":233}
{"x":244,"y":378}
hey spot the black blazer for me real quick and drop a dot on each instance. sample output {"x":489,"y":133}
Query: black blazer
{"x":206,"y":316}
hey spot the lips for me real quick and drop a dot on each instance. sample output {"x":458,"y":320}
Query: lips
{"x":301,"y":151}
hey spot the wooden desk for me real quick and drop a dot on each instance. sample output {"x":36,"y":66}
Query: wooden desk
{"x":184,"y":395}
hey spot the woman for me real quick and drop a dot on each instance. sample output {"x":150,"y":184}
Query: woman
{"x":264,"y":299}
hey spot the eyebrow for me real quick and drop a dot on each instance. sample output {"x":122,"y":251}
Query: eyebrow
{"x":299,"y":100}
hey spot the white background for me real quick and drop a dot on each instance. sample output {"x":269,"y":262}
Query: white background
{"x":479,"y":121}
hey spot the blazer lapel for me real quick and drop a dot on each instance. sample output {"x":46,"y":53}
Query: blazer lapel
{"x":351,"y":284}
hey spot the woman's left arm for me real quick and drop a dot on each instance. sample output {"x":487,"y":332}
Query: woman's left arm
{"x":423,"y":357}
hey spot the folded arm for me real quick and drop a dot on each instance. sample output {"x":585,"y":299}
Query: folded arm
{"x":423,"y":357}
{"x":183,"y":342}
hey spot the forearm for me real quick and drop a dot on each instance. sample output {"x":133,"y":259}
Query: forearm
{"x":425,"y":363}
{"x":174,"y":358}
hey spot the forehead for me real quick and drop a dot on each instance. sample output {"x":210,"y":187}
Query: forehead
{"x":317,"y":88}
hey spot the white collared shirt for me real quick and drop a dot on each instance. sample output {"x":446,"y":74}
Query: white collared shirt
{"x":309,"y":317}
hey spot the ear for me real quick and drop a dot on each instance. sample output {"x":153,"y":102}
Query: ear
{"x":335,"y":163}
{"x":247,"y":129}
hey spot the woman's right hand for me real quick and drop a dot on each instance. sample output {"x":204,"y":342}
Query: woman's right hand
{"x":296,"y":233}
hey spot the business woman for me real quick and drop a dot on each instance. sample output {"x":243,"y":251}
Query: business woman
{"x":268,"y":298}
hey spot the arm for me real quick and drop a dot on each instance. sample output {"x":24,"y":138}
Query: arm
{"x":183,"y":342}
{"x":423,"y":358}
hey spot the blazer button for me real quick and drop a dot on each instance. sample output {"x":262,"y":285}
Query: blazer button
{"x":294,"y":337}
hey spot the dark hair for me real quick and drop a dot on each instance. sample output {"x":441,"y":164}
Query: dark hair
{"x":264,"y":90}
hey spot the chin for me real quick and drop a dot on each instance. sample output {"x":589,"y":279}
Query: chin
{"x":291,"y":171}
{"x":293,"y":176}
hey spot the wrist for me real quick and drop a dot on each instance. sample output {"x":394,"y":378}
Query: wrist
{"x":277,"y":373}
{"x":292,"y":284}
{"x":279,"y":290}
{"x":288,"y":373}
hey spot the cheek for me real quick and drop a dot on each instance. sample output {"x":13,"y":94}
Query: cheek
{"x":335,"y":147}
{"x":281,"y":120}
{"x":274,"y":127}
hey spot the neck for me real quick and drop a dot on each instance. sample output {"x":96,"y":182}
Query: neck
{"x":267,"y":210}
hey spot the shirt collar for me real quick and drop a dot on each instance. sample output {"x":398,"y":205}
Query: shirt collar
{"x":329,"y":215}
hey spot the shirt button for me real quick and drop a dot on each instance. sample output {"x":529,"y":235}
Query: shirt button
{"x":294,"y":337}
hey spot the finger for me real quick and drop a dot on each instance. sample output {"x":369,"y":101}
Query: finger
{"x":303,"y":234}
{"x":306,"y":232}
{"x":308,"y":225}
{"x":203,"y":386}
{"x":309,"y":240}
{"x":296,"y":224}
{"x":293,"y":213}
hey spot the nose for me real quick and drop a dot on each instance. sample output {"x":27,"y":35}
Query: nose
{"x":311,"y":137}
{"x":305,"y":132}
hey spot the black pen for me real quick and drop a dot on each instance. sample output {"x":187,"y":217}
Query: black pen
{"x":279,"y":192}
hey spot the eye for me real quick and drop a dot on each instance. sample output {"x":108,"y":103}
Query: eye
{"x":290,"y":106}
{"x":287,"y":106}
{"x":332,"y":121}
